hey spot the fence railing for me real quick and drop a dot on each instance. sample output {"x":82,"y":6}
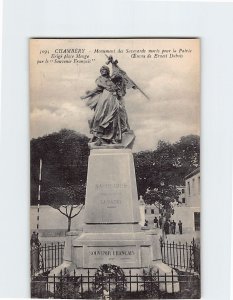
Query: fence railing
{"x":184,"y":256}
{"x":46,"y":257}
{"x":130,"y":286}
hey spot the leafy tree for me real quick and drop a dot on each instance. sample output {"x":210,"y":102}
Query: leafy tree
{"x":65,"y":157}
{"x":163,"y":199}
{"x":168,"y":163}
{"x":159,"y":172}
{"x":69,"y":201}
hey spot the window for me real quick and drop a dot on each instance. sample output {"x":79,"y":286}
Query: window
{"x":182,"y":191}
{"x":145,"y":210}
{"x":197,"y":221}
{"x":183,"y":200}
{"x":152,"y":211}
{"x":188,"y":188}
{"x":193,"y":185}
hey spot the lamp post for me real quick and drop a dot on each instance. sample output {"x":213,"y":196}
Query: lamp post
{"x":160,"y":209}
{"x":162,"y":185}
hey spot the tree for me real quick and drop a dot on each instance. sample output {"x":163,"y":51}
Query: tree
{"x":168,"y":163}
{"x":69,"y":201}
{"x":163,"y":198}
{"x":65,"y":157}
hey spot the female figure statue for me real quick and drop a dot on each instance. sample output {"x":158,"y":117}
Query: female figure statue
{"x":110,"y":118}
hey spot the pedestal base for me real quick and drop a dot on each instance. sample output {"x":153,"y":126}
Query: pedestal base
{"x":111,"y":233}
{"x":126,"y":250}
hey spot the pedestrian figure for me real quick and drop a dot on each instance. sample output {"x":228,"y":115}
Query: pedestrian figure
{"x":173,"y":227}
{"x":180,"y":226}
{"x":146,"y":223}
{"x":35,"y":252}
{"x":34,"y":239}
{"x":170,"y":227}
{"x":156,"y":222}
{"x":160,"y":222}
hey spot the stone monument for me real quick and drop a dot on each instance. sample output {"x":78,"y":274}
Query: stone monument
{"x":111,"y":231}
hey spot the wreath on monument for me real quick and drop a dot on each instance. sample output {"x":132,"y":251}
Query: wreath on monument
{"x":109,"y":279}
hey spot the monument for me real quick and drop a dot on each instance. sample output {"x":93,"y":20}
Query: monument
{"x":111,"y":232}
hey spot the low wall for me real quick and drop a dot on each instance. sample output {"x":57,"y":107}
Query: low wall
{"x":186,"y":215}
{"x":53,"y":222}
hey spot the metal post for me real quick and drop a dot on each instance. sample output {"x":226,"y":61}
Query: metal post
{"x":177,"y":257}
{"x":167,"y":254}
{"x":45,"y":257}
{"x":183,"y":257}
{"x":61,"y":284}
{"x":81,"y":285}
{"x":165,"y":277}
{"x":180,"y":252}
{"x":158,"y":279}
{"x":130,"y":281}
{"x":54,"y":285}
{"x":172,"y":283}
{"x":170,"y":248}
{"x":88,"y":280}
{"x":144,"y":282}
{"x":55,"y":255}
{"x":173,"y":253}
{"x":38,"y":197}
{"x":52,"y":255}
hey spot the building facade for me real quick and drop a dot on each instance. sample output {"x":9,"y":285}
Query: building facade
{"x":189,"y":211}
{"x":181,"y":199}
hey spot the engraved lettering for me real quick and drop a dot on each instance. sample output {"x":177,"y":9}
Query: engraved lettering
{"x":109,"y":186}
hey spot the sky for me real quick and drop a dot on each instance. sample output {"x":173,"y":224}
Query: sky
{"x":172,"y":84}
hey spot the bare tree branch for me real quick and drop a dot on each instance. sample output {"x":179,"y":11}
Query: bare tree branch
{"x":61,"y":212}
{"x":78,"y":211}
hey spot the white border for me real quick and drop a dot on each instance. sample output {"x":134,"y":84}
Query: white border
{"x":212,"y":22}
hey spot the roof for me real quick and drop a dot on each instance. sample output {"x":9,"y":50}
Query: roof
{"x":194,"y":172}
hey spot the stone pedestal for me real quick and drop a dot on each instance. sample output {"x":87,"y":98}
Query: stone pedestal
{"x":111,"y":232}
{"x":111,"y":195}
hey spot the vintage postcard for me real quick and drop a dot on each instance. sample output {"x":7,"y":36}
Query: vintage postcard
{"x":115,"y":168}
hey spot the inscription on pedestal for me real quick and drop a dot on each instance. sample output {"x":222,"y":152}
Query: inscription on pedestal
{"x":111,"y":194}
{"x":123,"y":256}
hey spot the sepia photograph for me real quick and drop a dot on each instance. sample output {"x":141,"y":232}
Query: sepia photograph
{"x":115,"y":178}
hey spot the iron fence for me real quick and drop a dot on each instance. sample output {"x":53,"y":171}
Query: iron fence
{"x":149,"y":285}
{"x":46,"y":257}
{"x":183,"y":256}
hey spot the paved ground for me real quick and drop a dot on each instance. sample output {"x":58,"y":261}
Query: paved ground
{"x":183,"y":238}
